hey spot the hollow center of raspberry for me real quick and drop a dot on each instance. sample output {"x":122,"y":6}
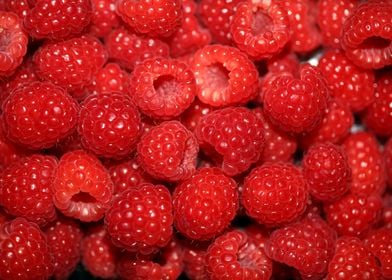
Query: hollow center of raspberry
{"x":261,"y":23}
{"x":83,"y":197}
{"x":166,"y":85}
{"x":375,"y":42}
{"x":217,"y":76}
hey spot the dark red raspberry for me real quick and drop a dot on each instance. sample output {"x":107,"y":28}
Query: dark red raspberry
{"x":140,"y":219}
{"x":233,"y":137}
{"x":19,"y":7}
{"x":110,"y":78}
{"x":386,"y":219}
{"x":26,"y":188}
{"x":260,"y":28}
{"x":104,"y":18}
{"x":388,"y":161}
{"x":191,"y":117}
{"x":82,"y":188}
{"x":195,"y":266}
{"x":224,"y":76}
{"x":162,"y":88}
{"x":9,"y":152}
{"x":57,"y":19}
{"x":153,"y":18}
{"x":205,"y":204}
{"x":275,"y":193}
{"x":38,"y":115}
{"x":24,"y":253}
{"x":168,"y":151}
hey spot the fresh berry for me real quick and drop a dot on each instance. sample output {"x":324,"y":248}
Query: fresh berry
{"x":19,"y":7}
{"x":82,"y":188}
{"x":9,"y":152}
{"x":283,"y":62}
{"x":104,"y":18}
{"x":191,"y":116}
{"x":110,"y":78}
{"x":388,"y":160}
{"x":195,"y":266}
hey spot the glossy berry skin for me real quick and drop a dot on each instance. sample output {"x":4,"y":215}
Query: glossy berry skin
{"x":38,"y":115}
{"x":24,"y":252}
{"x":327,"y":171}
{"x":233,"y":137}
{"x":9,"y":151}
{"x":110,"y":78}
{"x":191,"y":117}
{"x":104,"y":18}
{"x":140,"y":219}
{"x":82,"y":188}
{"x":26,"y":187}
{"x":162,"y":88}
{"x":274,"y":193}
{"x":168,"y":151}
{"x":205,"y":204}
{"x":56,"y":20}
{"x":109,"y":125}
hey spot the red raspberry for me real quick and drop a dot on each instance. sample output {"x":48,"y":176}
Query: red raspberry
{"x":140,"y":219}
{"x":346,"y":81}
{"x":13,"y":43}
{"x":205,"y":204}
{"x":39,"y":114}
{"x":352,"y":260}
{"x":275,"y":193}
{"x":296,"y":104}
{"x":388,"y":160}
{"x":82,"y":187}
{"x":19,"y":7}
{"x":224,"y":76}
{"x":191,"y":116}
{"x":57,"y":19}
{"x":326,"y":171}
{"x":26,"y":187}
{"x":233,"y":137}
{"x":162,"y":88}
{"x":71,"y":64}
{"x":24,"y":252}
{"x":64,"y":237}
{"x":195,"y":266}
{"x":9,"y":152}
{"x":109,"y":125}
{"x":104,"y":18}
{"x":128,"y":49}
{"x":366,"y":35}
{"x":283,"y":62}
{"x":168,"y":152}
{"x":307,"y":246}
{"x":354,"y":214}
{"x":386,"y":219}
{"x":260,"y":28}
{"x":110,"y":78}
{"x":366,"y":162}
{"x":235,"y":256}
{"x":154,"y":18}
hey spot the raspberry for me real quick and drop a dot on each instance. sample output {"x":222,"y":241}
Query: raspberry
{"x":352,"y":261}
{"x":39,"y":114}
{"x":57,"y":20}
{"x":346,"y":81}
{"x":19,"y":7}
{"x":366,"y":35}
{"x":388,"y":160}
{"x":109,"y":125}
{"x":233,"y":137}
{"x":191,"y":117}
{"x":235,"y":256}
{"x":24,"y":252}
{"x":224,"y":76}
{"x":82,"y":188}
{"x":387,"y":211}
{"x":283,"y":62}
{"x":9,"y":152}
{"x":140,"y":219}
{"x":260,"y":28}
{"x":157,"y":18}
{"x":274,"y":193}
{"x":326,"y":171}
{"x":162,"y":88}
{"x":205,"y":204}
{"x":195,"y":261}
{"x":26,"y":186}
{"x":168,"y":151}
{"x":110,"y":78}
{"x":104,"y":18}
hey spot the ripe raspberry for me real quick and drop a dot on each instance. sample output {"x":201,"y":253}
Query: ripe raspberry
{"x":13,"y":43}
{"x":275,"y":193}
{"x":19,"y":7}
{"x":352,"y":260}
{"x":168,"y":151}
{"x":388,"y":160}
{"x":9,"y":152}
{"x":58,"y":19}
{"x":26,"y":187}
{"x":191,"y":116}
{"x":109,"y":125}
{"x":157,"y":18}
{"x":82,"y":188}
{"x":354,"y":86}
{"x":233,"y":137}
{"x":39,"y":114}
{"x":104,"y":18}
{"x":354,"y":214}
{"x":195,"y":266}
{"x":296,"y":104}
{"x":235,"y":256}
{"x":283,"y":62}
{"x":387,"y":210}
{"x":260,"y":28}
{"x":64,"y":237}
{"x":24,"y":252}
{"x":326,"y":171}
{"x":110,"y":78}
{"x":140,"y":219}
{"x":162,"y":88}
{"x":205,"y":204}
{"x":224,"y":76}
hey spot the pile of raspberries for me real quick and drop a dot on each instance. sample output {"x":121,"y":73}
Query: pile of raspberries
{"x":196,"y":139}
